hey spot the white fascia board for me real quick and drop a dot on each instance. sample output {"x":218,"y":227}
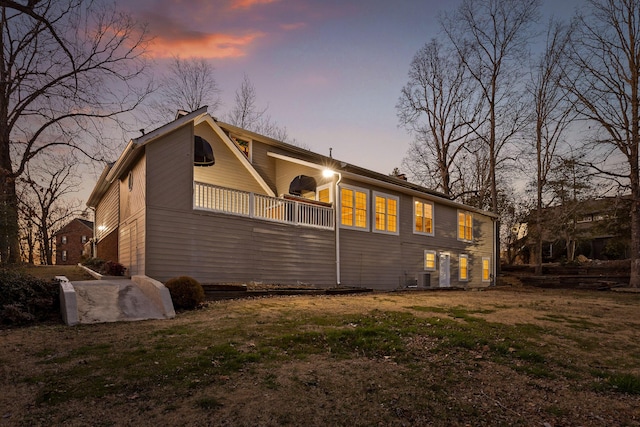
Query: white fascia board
{"x":99,"y":189}
{"x":232,"y":147}
{"x":145,"y":139}
{"x":125,"y":157}
{"x":297,"y":161}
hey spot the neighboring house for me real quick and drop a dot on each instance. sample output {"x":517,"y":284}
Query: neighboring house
{"x":595,"y":228}
{"x":202,"y":198}
{"x":71,"y":241}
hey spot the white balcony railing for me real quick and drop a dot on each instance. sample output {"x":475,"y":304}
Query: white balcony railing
{"x":220,"y":199}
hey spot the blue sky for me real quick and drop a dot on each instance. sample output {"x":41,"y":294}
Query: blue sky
{"x":330,"y":71}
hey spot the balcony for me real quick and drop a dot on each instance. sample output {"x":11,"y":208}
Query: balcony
{"x":291,"y":211}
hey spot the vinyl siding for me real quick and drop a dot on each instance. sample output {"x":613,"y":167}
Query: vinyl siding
{"x":227,"y":171}
{"x":132,"y":244}
{"x":107,"y":212}
{"x":132,"y":201}
{"x":170,"y":170}
{"x":287,"y":171}
{"x":387,"y":261}
{"x":216,"y":248}
{"x":264,"y":164}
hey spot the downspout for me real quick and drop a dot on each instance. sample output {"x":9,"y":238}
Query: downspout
{"x":337,"y":225}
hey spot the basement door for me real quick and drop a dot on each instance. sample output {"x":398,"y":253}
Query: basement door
{"x":445,"y":270}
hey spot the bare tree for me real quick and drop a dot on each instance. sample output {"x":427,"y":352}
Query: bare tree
{"x":189,"y":84}
{"x":247,"y":115}
{"x":492,"y":37}
{"x":439,"y":107}
{"x":45,"y":199}
{"x":553,"y":112}
{"x":606,"y":53}
{"x":68,"y":69}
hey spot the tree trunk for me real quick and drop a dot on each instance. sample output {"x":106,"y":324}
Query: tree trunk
{"x":9,"y":235}
{"x":634,"y":279}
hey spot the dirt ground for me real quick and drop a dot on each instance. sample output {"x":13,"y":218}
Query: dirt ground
{"x":525,"y":357}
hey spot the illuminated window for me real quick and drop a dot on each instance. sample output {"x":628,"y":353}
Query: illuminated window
{"x":422,"y":217}
{"x":323,"y":193}
{"x":243,"y":145}
{"x":386,"y":213}
{"x":486,"y":269}
{"x":353,"y":212}
{"x":430,"y":260}
{"x":465,"y":226}
{"x":463,"y":269}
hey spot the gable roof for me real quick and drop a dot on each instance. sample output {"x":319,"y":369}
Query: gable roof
{"x":311,"y":159}
{"x":86,"y":223}
{"x":293,"y":154}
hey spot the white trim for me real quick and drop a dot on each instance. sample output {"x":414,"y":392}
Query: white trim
{"x":463,"y":238}
{"x":433,"y":214}
{"x":463,"y":256}
{"x":386,"y":197}
{"x":368,"y":207}
{"x":488,"y":259}
{"x":297,"y":161}
{"x":435,"y":260}
{"x":386,"y":185}
{"x":331,"y":187}
{"x":232,"y":147}
{"x":249,"y":141}
{"x":416,"y":193}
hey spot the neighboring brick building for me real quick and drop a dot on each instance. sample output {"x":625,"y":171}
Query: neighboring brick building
{"x":71,"y":240}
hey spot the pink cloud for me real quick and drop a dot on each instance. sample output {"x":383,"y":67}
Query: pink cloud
{"x":246,"y":4}
{"x":204,"y":46}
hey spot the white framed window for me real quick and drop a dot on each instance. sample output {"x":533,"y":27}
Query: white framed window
{"x":465,"y":226}
{"x":463,"y":268}
{"x":486,"y":269}
{"x":386,"y":213}
{"x":244,"y":145}
{"x":354,"y":203}
{"x":64,"y":255}
{"x":324,"y":193}
{"x":63,"y":240}
{"x":430,"y":260}
{"x":83,"y":239}
{"x":422,"y":217}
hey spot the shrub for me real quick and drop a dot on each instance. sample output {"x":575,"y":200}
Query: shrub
{"x":111,"y":268}
{"x":93,"y":263}
{"x":186,"y":292}
{"x":25,"y":299}
{"x":107,"y":268}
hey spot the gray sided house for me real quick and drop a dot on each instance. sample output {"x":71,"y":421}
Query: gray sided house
{"x":202,"y":198}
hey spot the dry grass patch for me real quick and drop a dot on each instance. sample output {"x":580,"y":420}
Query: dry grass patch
{"x":418,"y":358}
{"x":48,"y":272}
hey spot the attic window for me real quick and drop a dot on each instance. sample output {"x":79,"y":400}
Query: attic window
{"x":202,"y":153}
{"x":243,"y":145}
{"x":302,"y":185}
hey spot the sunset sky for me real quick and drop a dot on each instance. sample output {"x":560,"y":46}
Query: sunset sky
{"x":330,"y":71}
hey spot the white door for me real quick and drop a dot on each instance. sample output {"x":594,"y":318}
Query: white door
{"x":445,"y":270}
